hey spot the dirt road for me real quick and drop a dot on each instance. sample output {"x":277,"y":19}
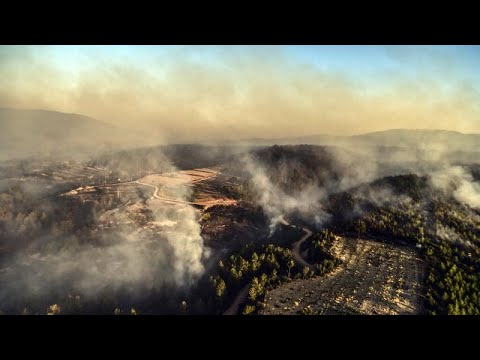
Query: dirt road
{"x":239,"y":300}
{"x":297,"y":246}
{"x":243,"y":294}
{"x":166,"y":199}
{"x":182,"y":178}
{"x":169,"y":180}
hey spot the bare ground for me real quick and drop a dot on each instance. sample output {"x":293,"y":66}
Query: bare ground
{"x":167,"y":187}
{"x":375,"y":278}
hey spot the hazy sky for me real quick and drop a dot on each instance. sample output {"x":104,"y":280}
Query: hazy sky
{"x":202,"y":92}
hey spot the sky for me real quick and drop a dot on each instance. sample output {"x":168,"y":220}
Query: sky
{"x":190,"y":93}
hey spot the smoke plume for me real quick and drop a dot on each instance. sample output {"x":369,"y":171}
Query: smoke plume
{"x":114,"y":258}
{"x":456,"y":181}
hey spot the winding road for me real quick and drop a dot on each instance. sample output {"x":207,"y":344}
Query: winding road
{"x":166,"y":199}
{"x":296,"y":253}
{"x":241,"y":297}
{"x":191,"y":180}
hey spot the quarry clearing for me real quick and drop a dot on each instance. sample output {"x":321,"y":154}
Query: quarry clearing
{"x":182,"y":177}
{"x":165,"y":195}
{"x":170,"y":187}
{"x":374,"y":278}
{"x":173,"y":188}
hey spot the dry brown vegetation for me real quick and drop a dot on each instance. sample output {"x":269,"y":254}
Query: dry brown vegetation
{"x":374,"y":278}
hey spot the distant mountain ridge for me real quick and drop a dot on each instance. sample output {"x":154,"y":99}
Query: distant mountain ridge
{"x":17,"y":119}
{"x":44,"y":132}
{"x":39,"y":132}
{"x":420,"y":138}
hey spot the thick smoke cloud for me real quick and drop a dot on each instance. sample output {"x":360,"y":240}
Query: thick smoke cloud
{"x":188,"y":247}
{"x":357,"y":167}
{"x":125,"y":261}
{"x":252,"y":92}
{"x":353,"y":168}
{"x":459,"y":183}
{"x":243,"y":92}
{"x":277,"y":203}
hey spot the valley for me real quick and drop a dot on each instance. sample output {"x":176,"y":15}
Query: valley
{"x":157,"y":236}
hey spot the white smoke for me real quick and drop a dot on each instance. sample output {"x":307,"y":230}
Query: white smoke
{"x":188,"y":247}
{"x":354,"y":167}
{"x":459,"y":183}
{"x":449,"y":234}
{"x":168,"y":252}
{"x":276,"y":203}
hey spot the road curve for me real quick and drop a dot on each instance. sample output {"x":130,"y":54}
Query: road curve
{"x":156,"y":196}
{"x":297,"y":246}
{"x":243,"y":294}
{"x":205,"y":204}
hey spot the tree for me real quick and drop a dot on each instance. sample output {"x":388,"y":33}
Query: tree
{"x":220,"y":287}
{"x":274,"y":275}
{"x":360,"y":227}
{"x":256,"y":289}
{"x":255,"y":263}
{"x":252,"y":293}
{"x":249,"y":310}
{"x":290,"y":265}
{"x":263,"y":279}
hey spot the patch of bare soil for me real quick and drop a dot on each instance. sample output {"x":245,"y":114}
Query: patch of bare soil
{"x":374,"y":278}
{"x":179,"y":177}
{"x":168,"y":187}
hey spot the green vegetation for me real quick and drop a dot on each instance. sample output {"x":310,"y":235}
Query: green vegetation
{"x":265,"y":267}
{"x":317,"y":251}
{"x":453,"y":274}
{"x":453,"y":267}
{"x":249,"y":310}
{"x":398,"y":209}
{"x":360,"y":227}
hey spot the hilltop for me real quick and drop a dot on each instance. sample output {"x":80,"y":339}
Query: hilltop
{"x":35,"y":132}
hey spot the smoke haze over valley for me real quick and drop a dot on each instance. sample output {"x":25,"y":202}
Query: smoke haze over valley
{"x":216,"y":179}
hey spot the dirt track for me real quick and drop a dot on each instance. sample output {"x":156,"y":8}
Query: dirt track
{"x":375,"y":278}
{"x":239,"y":300}
{"x":183,"y":178}
{"x":243,"y":294}
{"x":297,"y":245}
{"x":167,"y":187}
